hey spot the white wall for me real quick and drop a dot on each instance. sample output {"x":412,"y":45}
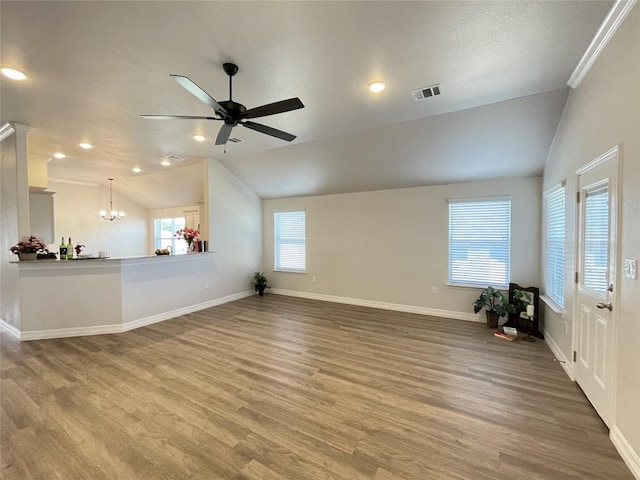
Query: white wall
{"x":234,"y":230}
{"x":602,"y":112}
{"x":392,"y":245}
{"x":76,"y":210}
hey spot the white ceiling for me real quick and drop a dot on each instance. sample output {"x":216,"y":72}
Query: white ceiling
{"x":94,"y":67}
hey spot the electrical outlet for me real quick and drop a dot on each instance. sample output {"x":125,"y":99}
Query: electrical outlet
{"x":313,"y":279}
{"x":566,"y":328}
{"x":631,"y":269}
{"x":206,"y":285}
{"x":434,"y":290}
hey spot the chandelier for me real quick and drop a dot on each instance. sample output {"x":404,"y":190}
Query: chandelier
{"x":112,"y":214}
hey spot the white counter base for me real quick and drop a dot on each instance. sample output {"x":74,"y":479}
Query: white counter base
{"x":90,"y":297}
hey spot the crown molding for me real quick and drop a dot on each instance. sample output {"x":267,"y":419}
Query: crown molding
{"x":20,"y":128}
{"x":609,"y":26}
{"x":6,"y":130}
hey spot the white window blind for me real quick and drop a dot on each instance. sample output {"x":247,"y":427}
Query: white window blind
{"x":554,"y":246}
{"x":290,"y":241}
{"x":479,"y":242}
{"x":596,"y":235}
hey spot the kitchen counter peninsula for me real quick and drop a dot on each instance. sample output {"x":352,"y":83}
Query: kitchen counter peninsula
{"x":65,"y":298}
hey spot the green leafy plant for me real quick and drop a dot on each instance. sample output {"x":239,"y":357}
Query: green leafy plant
{"x":494,"y":301}
{"x":260,"y":282}
{"x":520,"y":301}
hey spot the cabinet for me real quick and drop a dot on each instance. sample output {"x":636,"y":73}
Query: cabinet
{"x":192,"y":219}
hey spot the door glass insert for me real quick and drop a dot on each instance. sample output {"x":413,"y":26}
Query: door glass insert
{"x":596,"y":234}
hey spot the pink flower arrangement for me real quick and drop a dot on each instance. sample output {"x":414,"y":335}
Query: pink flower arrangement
{"x":30,"y":244}
{"x":189,"y":234}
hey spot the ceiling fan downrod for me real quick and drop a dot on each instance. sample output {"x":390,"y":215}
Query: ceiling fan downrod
{"x":230,"y":69}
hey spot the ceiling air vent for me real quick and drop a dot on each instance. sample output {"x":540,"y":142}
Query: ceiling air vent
{"x":234,"y":140}
{"x":173,"y":158}
{"x":427,"y":92}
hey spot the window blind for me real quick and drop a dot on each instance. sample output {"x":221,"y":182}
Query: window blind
{"x":479,"y":242}
{"x":290,"y":241}
{"x":596,"y":235}
{"x":554,"y":246}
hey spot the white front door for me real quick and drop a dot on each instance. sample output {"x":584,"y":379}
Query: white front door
{"x":595,"y":304}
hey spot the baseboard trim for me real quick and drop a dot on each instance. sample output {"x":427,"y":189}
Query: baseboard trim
{"x":435,"y":312}
{"x":124,"y":327}
{"x":630,"y":457}
{"x":564,"y":362}
{"x":10,"y":328}
{"x":69,"y":332}
{"x":161,"y":317}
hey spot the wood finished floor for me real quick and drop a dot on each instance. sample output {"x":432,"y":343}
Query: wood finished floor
{"x":281,"y":388}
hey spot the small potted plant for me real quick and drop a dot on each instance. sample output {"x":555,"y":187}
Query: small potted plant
{"x":260,"y":282}
{"x":28,"y":248}
{"x":496,"y":304}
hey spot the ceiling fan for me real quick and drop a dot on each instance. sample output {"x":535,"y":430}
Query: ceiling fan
{"x":233,"y":113}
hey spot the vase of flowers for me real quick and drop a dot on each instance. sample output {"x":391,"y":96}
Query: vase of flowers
{"x":27,"y":249}
{"x":189,"y":235}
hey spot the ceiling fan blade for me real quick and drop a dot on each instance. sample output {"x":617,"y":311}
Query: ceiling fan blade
{"x":180,"y":117}
{"x":223,"y":134}
{"x":269,"y":131}
{"x":195,"y":90}
{"x":273,"y":108}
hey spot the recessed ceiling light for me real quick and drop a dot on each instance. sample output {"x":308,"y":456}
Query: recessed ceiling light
{"x":59,"y":155}
{"x":166,"y":163}
{"x":136,"y":170}
{"x":86,"y":146}
{"x":199,"y":138}
{"x":13,"y":74}
{"x":376,"y":87}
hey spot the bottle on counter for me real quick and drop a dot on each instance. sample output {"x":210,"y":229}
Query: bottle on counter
{"x":63,"y":250}
{"x":69,"y":249}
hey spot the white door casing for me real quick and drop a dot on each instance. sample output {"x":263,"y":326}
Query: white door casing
{"x":595,"y":309}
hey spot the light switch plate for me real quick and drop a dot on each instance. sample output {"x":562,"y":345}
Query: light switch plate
{"x":630,"y":269}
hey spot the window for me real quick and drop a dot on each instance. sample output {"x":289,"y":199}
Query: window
{"x":479,"y":242}
{"x":289,"y":241}
{"x":554,"y":245}
{"x":164,"y":230}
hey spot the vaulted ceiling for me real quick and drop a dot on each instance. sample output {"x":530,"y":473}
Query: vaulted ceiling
{"x":94,"y":67}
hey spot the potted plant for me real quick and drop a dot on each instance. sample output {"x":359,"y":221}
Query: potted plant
{"x":28,"y":248}
{"x":260,"y":282}
{"x":496,"y":304}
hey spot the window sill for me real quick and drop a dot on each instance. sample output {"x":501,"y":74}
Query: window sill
{"x":553,"y":305}
{"x":474,"y":287}
{"x":288,"y":271}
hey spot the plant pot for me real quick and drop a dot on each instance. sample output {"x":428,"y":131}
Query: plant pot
{"x":260,"y":290}
{"x":492,"y":319}
{"x":27,"y":257}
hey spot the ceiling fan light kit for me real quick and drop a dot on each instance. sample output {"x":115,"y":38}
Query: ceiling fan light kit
{"x":234,"y":113}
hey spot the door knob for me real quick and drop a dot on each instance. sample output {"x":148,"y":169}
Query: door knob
{"x":607,"y":305}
